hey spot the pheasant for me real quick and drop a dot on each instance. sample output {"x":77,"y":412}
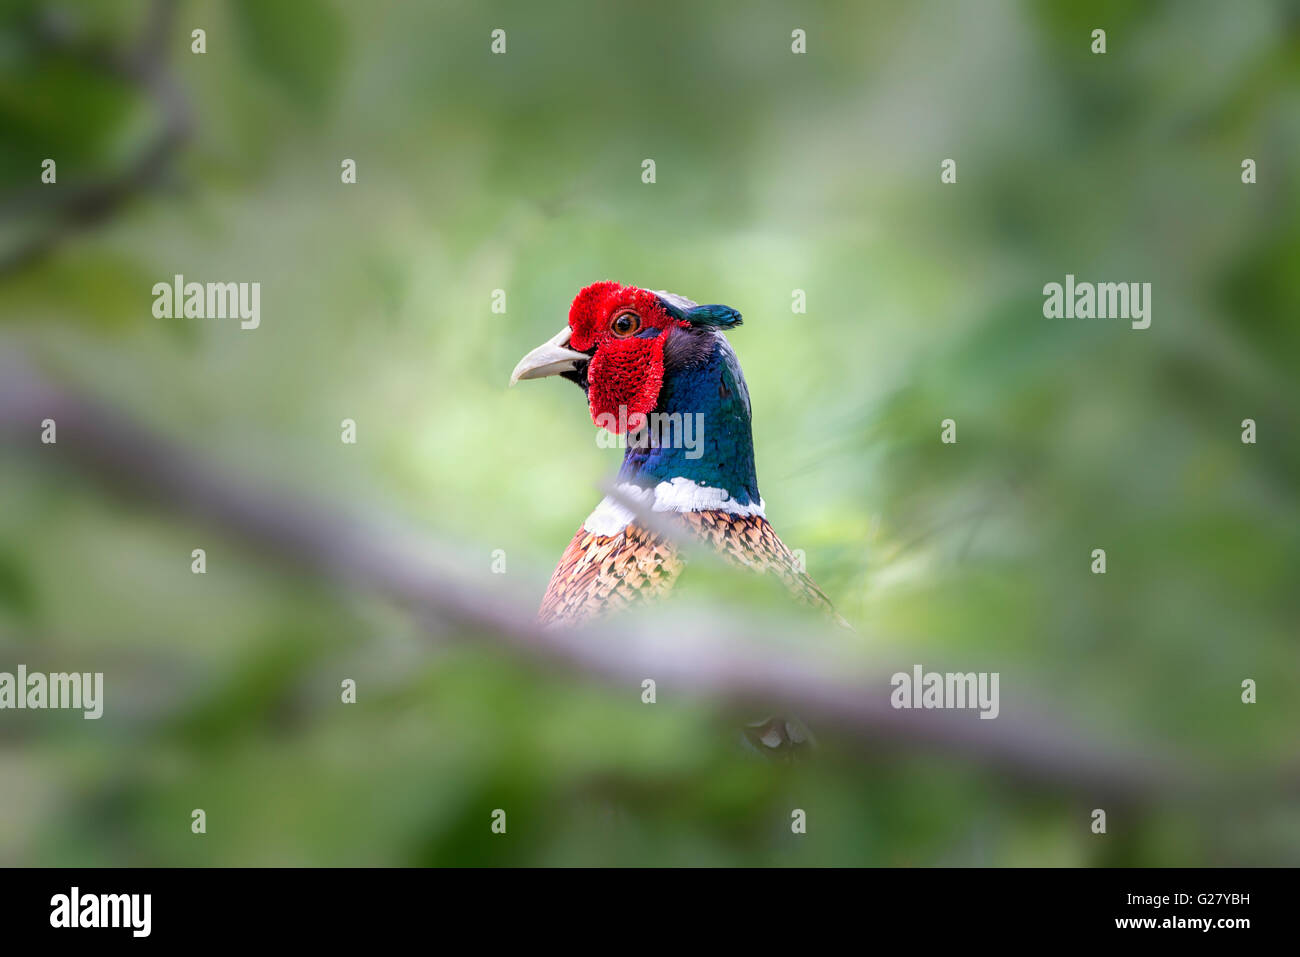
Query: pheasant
{"x":658,"y":368}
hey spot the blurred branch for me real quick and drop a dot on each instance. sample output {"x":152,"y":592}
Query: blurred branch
{"x":723,"y":657}
{"x":144,"y":66}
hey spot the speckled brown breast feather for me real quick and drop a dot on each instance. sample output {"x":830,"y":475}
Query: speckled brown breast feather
{"x":602,"y":573}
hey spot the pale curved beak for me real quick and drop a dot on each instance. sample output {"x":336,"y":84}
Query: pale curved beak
{"x":550,"y":358}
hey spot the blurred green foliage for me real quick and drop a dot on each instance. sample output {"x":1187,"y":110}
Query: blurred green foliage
{"x":775,"y":172}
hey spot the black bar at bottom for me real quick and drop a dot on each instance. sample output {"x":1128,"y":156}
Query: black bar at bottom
{"x":333,"y":907}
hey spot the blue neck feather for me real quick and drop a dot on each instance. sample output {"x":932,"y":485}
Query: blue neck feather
{"x":721,"y":440}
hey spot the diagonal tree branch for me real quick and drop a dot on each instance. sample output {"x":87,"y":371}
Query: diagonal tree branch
{"x":732,"y":658}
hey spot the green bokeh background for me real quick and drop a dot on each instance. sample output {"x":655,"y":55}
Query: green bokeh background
{"x":775,"y":172}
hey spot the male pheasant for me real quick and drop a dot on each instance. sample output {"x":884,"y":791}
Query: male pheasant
{"x":658,"y":368}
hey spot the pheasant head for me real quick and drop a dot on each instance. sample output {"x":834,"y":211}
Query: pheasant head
{"x":658,"y":367}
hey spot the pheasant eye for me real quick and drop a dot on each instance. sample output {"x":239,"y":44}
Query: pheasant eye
{"x":625,"y":324}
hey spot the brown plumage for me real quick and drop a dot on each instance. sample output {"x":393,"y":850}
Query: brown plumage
{"x":598,"y":574}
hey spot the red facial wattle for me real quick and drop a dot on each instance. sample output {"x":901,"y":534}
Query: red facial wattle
{"x":626,"y":328}
{"x":625,"y":374}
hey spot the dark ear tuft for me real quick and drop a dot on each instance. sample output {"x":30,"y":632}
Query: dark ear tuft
{"x":721,"y":317}
{"x":717,"y":317}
